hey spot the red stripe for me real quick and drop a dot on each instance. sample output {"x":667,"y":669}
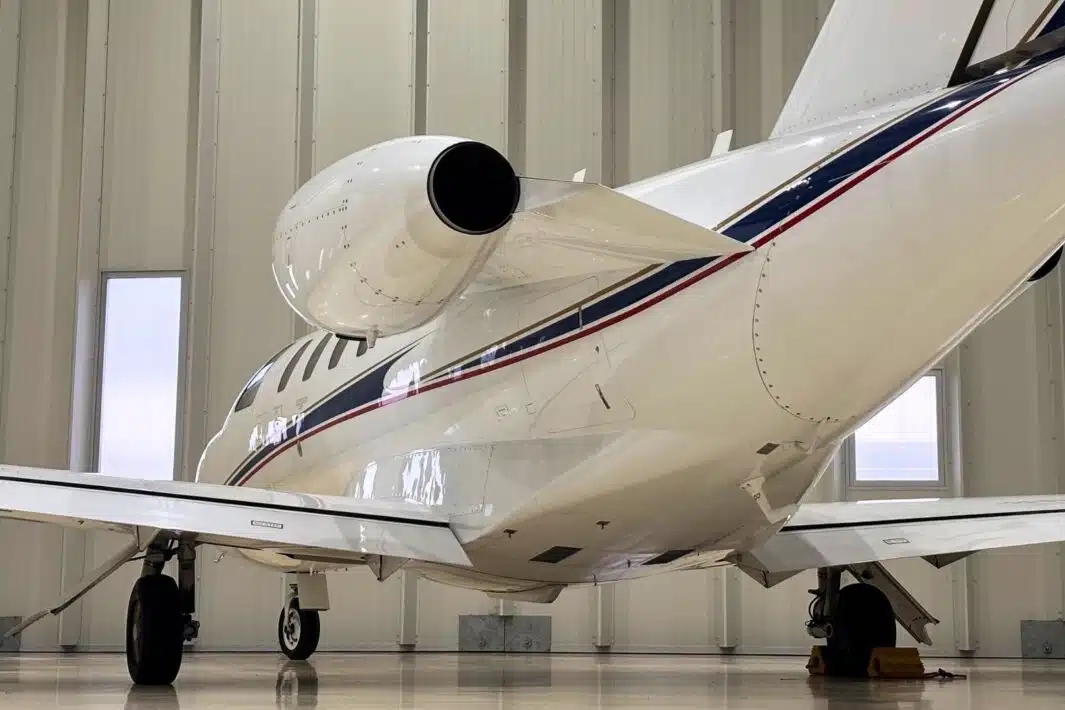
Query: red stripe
{"x":643,"y":305}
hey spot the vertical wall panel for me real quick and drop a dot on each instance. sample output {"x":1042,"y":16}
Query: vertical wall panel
{"x":573,"y":617}
{"x":41,"y":282}
{"x":364,"y":613}
{"x":439,"y":608}
{"x":12,"y":601}
{"x":772,"y":40}
{"x":88,"y":326}
{"x":564,"y":115}
{"x":802,"y":21}
{"x":748,"y":66}
{"x":772,"y":620}
{"x":1002,"y":456}
{"x":666,"y":613}
{"x":255,"y":176}
{"x":104,"y":615}
{"x":146,"y":134}
{"x":467,"y":81}
{"x":365,"y":71}
{"x":10,"y":11}
{"x":670,"y":84}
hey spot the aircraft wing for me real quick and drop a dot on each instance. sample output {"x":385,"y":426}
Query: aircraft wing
{"x":571,"y":228}
{"x":940,"y":530}
{"x":229,"y":516}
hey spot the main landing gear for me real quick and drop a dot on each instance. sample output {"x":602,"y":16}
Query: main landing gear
{"x":159,"y":615}
{"x":854,"y":620}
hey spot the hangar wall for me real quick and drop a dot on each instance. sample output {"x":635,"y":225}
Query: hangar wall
{"x":164,"y":135}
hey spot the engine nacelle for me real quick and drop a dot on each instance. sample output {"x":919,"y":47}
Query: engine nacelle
{"x":381,"y":241}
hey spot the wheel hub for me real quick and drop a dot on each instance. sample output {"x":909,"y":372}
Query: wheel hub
{"x":291,"y":630}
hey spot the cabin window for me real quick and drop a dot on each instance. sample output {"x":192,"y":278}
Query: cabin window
{"x":140,"y":375}
{"x":247,"y":395}
{"x":903,"y":443}
{"x":291,"y":366}
{"x":338,"y":352}
{"x":315,"y":355}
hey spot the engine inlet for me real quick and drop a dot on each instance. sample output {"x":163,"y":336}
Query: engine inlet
{"x":472,"y":188}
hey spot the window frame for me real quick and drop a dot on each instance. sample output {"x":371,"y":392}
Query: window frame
{"x":944,"y":439}
{"x":106,"y":276}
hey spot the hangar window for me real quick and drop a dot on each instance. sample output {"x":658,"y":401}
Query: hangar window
{"x":140,"y":375}
{"x":902,"y":444}
{"x":318,"y":350}
{"x":291,"y":366}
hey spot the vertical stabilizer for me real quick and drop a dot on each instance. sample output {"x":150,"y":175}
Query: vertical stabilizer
{"x":876,"y":52}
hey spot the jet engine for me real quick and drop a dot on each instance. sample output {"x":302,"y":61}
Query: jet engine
{"x":381,"y":241}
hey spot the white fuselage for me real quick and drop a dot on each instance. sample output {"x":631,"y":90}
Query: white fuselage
{"x":621,"y":413}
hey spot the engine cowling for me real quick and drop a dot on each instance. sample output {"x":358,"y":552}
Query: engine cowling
{"x":381,"y":241}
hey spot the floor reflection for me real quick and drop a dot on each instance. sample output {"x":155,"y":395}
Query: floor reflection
{"x":149,"y":698}
{"x":843,"y":694}
{"x":297,"y":685}
{"x":615,"y":681}
{"x":477,"y":672}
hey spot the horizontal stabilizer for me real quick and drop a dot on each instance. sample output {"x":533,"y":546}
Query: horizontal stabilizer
{"x":564,"y":229}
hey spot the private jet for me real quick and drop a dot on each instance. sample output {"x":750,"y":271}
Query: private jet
{"x":520,"y":385}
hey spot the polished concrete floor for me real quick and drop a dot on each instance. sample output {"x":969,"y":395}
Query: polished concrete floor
{"x":444,"y":681}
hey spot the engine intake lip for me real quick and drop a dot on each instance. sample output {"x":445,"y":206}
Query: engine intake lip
{"x":473,"y":189}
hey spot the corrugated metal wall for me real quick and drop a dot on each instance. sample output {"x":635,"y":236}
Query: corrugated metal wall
{"x":110,"y":98}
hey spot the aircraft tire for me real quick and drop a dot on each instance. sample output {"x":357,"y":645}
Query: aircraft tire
{"x":298,"y":631}
{"x":864,"y":620}
{"x":154,"y":631}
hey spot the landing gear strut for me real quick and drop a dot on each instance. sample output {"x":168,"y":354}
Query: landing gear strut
{"x":298,"y":630}
{"x":159,"y":615}
{"x":854,"y":620}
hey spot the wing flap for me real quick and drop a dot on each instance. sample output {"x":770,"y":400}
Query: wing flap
{"x":230,"y":516}
{"x":564,"y":229}
{"x":839,"y":534}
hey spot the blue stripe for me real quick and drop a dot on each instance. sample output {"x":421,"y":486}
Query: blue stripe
{"x":785,"y":204}
{"x":608,"y":306}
